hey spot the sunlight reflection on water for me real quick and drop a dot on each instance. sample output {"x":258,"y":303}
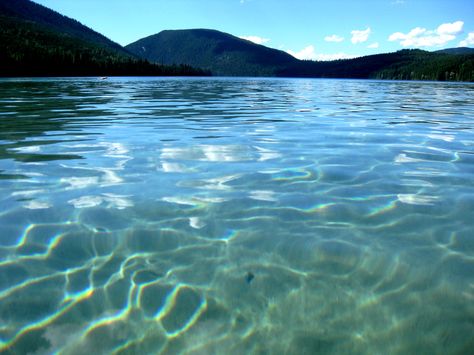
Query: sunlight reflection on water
{"x":134,"y":210}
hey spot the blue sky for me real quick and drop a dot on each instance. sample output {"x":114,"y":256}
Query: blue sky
{"x":309,"y":29}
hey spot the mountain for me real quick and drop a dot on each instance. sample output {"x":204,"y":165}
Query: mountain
{"x":407,"y":64}
{"x":29,"y":11}
{"x":219,"y":52}
{"x":415,"y":64}
{"x":37,"y":41}
{"x":227,"y":55}
{"x":459,"y":50}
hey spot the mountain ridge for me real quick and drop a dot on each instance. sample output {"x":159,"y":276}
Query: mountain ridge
{"x":202,"y":46}
{"x":37,"y":41}
{"x":227,"y":55}
{"x":456,"y":50}
{"x":30,"y":11}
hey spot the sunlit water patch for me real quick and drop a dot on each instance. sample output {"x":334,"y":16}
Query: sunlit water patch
{"x":236,"y":216}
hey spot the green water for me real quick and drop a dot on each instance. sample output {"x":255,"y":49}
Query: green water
{"x":237,"y":216}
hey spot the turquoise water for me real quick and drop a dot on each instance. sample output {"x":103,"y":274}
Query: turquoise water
{"x":260,"y":216}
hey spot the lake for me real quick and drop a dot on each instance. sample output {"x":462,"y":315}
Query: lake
{"x":218,"y":215}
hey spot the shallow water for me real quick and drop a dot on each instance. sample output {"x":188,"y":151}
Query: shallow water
{"x":204,"y":216}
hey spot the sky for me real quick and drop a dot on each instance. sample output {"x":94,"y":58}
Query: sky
{"x":307,"y":29}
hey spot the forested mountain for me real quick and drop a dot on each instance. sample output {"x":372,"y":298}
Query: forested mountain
{"x":221,"y":53}
{"x":406,"y":64}
{"x":226,"y":55}
{"x":40,"y":15}
{"x":423,"y":65}
{"x":36,"y":41}
{"x":459,"y":50}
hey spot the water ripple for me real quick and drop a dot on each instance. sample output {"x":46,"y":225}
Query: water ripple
{"x":204,"y":215}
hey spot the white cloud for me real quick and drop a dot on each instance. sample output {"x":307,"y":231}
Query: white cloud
{"x":255,"y":39}
{"x":309,"y":53}
{"x":360,"y":36}
{"x":373,"y":45}
{"x":333,"y":38}
{"x":398,"y":2}
{"x":468,"y":41}
{"x":334,"y":56}
{"x":454,"y":28}
{"x":421,"y":37}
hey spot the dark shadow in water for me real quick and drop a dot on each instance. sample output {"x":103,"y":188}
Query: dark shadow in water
{"x":11,"y":176}
{"x":42,"y":113}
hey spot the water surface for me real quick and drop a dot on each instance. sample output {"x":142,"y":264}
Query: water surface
{"x":202,"y":216}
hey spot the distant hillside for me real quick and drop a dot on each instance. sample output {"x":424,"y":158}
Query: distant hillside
{"x":423,"y":65}
{"x":36,"y":41}
{"x":226,"y":55}
{"x":459,"y":50}
{"x":40,"y":15}
{"x":406,"y":64}
{"x":221,"y":53}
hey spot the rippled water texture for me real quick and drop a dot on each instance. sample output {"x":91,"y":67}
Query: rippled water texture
{"x":263,"y":216}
